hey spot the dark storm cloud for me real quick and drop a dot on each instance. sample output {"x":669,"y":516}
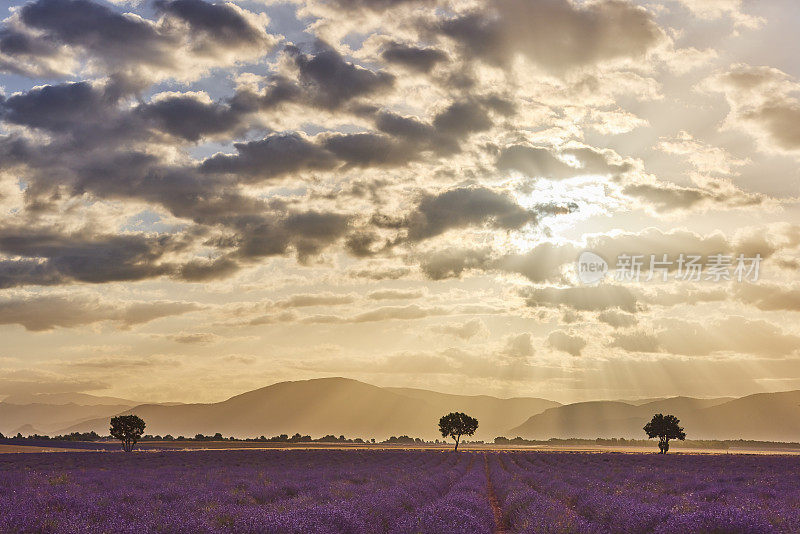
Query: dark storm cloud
{"x":98,"y":30}
{"x":374,"y":5}
{"x":330,"y":81}
{"x":448,"y":127}
{"x":369,"y":150}
{"x":16,"y":43}
{"x":409,"y":128}
{"x":413,"y":57}
{"x":273,"y":156}
{"x":312,"y":231}
{"x":49,"y":257}
{"x":189,"y":118}
{"x":121,"y":42}
{"x":463,"y":207}
{"x":206,"y":270}
{"x":221,"y":22}
{"x":57,"y":108}
{"x":92,"y":114}
{"x":462,"y":117}
{"x":308,"y":232}
{"x":77,"y":164}
{"x":556,"y":34}
{"x":362,"y":244}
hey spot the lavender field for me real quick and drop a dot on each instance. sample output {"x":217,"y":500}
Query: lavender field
{"x":303,"y":491}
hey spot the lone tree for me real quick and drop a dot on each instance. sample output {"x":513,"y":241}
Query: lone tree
{"x":128,"y":429}
{"x":457,"y":424}
{"x":665,"y":428}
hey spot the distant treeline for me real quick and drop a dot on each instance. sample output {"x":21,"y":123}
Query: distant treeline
{"x":407,"y":440}
{"x":283,"y":438}
{"x":74,"y":436}
{"x":688,"y":444}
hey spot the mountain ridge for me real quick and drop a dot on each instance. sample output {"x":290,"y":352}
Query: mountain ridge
{"x":330,"y":406}
{"x":339,"y":406}
{"x":759,"y":416}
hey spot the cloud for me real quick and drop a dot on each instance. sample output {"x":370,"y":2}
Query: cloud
{"x":716,"y":9}
{"x":40,"y":313}
{"x":199,"y":338}
{"x":536,"y":161}
{"x":542,"y":263}
{"x":396,"y":294}
{"x":636,"y":342}
{"x":449,"y":362}
{"x":223,"y":24}
{"x":465,"y":330}
{"x":410,"y":312}
{"x":665,"y":197}
{"x":734,"y":334}
{"x":705,"y":158}
{"x":463,"y":207}
{"x":554,"y":34}
{"x":330,"y":81}
{"x":451,"y":263}
{"x":271,"y":157}
{"x":520,"y":345}
{"x":188,"y":38}
{"x":48,"y":257}
{"x":190,"y":118}
{"x":769,"y":297}
{"x":617,"y":319}
{"x":654,"y":242}
{"x":565,"y":342}
{"x":374,"y":5}
{"x":369,"y":150}
{"x":314,"y":299}
{"x":399,"y":312}
{"x":589,"y":298}
{"x":115,"y":363}
{"x":413,"y":57}
{"x":763,"y":102}
{"x":381,"y":273}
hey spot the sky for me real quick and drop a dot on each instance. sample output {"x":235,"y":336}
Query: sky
{"x":199,"y":199}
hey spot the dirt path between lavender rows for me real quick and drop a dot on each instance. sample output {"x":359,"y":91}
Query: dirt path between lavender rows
{"x":499,"y":521}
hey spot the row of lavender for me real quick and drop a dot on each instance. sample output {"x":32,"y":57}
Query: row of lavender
{"x":583,"y":493}
{"x":243,"y":492}
{"x":397,"y":492}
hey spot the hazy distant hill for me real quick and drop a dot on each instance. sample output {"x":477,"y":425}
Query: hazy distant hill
{"x":343,"y":406}
{"x":492,"y":413}
{"x":330,"y":406}
{"x":83,"y":399}
{"x":51,"y":418}
{"x":764,"y":416}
